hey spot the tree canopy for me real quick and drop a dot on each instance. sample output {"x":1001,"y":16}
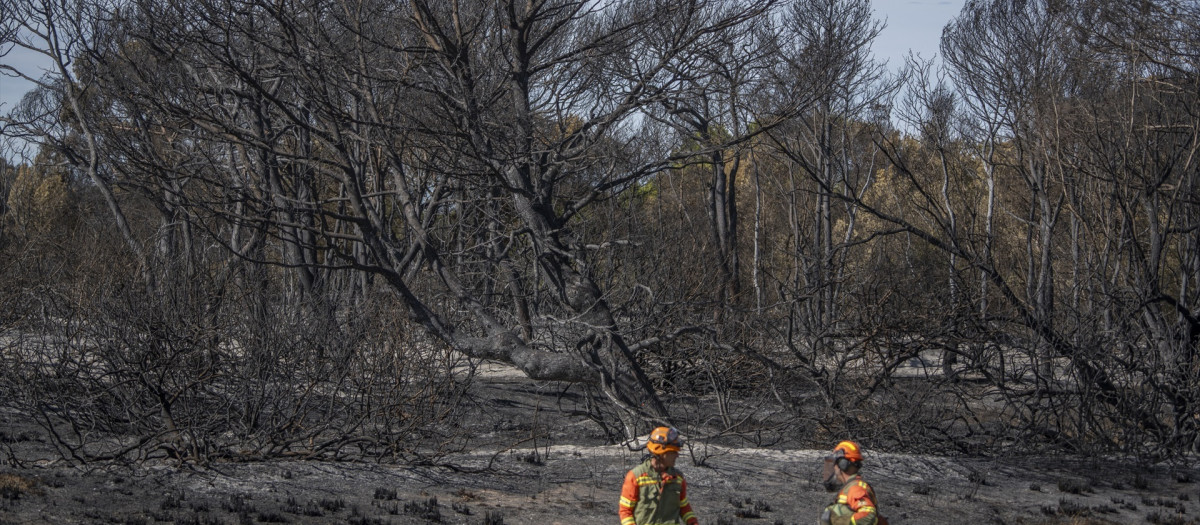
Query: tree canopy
{"x":723,"y":215}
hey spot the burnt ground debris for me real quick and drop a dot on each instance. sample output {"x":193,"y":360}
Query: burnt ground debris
{"x":574,"y":478}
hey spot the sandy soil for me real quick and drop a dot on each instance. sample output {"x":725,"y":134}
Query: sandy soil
{"x":579,"y":484}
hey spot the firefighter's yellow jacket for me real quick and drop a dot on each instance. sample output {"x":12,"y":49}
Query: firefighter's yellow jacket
{"x":860,"y":498}
{"x":648,"y":498}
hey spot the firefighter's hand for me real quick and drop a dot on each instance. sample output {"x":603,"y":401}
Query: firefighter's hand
{"x":825,"y":517}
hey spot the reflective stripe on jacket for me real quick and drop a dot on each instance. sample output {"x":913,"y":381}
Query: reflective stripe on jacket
{"x":860,"y":497}
{"x":650,"y":499}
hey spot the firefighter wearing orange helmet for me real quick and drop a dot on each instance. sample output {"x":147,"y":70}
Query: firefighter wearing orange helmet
{"x":856,"y":503}
{"x":654,"y":492}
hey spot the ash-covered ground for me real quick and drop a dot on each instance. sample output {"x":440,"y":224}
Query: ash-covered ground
{"x":577,"y":483}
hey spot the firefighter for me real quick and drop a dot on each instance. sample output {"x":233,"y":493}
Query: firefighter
{"x":654,"y":492}
{"x":856,"y":503}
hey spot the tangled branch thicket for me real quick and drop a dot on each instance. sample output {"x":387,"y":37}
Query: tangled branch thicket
{"x":201,"y":374}
{"x":294,"y":229}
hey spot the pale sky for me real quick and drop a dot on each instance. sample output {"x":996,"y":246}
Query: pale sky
{"x":911,"y":24}
{"x":11,"y":89}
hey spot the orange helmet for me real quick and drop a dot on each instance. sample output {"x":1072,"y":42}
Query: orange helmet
{"x":663,"y":440}
{"x":849,"y":450}
{"x":845,"y":456}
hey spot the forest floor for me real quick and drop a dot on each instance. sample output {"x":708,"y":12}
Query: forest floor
{"x":578,"y":483}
